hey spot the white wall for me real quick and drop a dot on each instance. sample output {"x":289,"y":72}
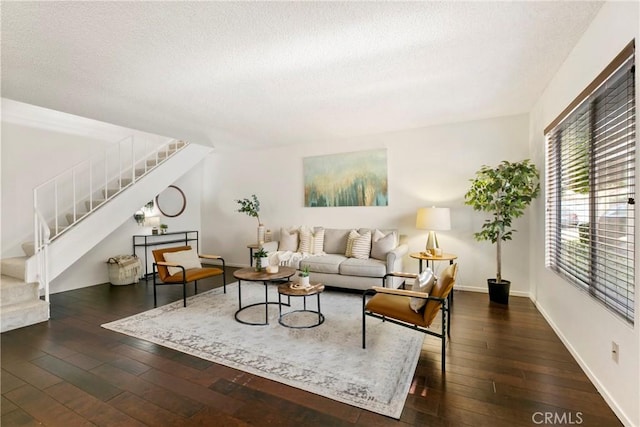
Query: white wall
{"x":31,"y":156}
{"x":584,"y":325}
{"x":37,"y":144}
{"x":91,"y":269}
{"x":428,"y":166}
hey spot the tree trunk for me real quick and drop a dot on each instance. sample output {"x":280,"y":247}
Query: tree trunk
{"x":499,"y":259}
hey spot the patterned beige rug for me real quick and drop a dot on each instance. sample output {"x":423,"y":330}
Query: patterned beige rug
{"x":327,"y":360}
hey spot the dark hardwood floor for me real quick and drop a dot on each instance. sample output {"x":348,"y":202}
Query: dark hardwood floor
{"x":505,"y":367}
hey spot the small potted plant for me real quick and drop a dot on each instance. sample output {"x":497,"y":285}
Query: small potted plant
{"x":504,"y":192}
{"x":163,"y":228}
{"x":262,"y":259}
{"x":139,"y":217}
{"x":252,"y":208}
{"x":303,"y":277}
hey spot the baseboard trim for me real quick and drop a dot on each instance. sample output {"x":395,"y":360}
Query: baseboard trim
{"x":585,"y":368}
{"x":486,"y":291}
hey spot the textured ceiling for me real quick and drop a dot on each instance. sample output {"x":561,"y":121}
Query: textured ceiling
{"x":249,"y":74}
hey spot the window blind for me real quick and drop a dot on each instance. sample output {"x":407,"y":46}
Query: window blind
{"x":590,"y":189}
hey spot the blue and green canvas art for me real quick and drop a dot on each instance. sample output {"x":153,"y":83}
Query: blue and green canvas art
{"x":348,"y":179}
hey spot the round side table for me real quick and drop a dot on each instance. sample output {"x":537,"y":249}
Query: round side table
{"x":251,"y":275}
{"x":287,"y":290}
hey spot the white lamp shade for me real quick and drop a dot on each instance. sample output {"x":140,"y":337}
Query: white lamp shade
{"x":438,"y":219}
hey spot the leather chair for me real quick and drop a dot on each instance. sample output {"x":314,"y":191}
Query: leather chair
{"x":393,"y":305}
{"x":184,"y":275}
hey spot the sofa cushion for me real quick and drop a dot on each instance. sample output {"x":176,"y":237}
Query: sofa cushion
{"x":311,"y":241}
{"x":335,"y":240}
{"x":382,"y":244}
{"x":358,"y":245}
{"x":363,"y":267}
{"x":329,"y":263}
{"x":288,"y":239}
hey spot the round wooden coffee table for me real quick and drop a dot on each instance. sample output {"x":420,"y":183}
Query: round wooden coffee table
{"x":289,"y":290}
{"x":251,"y":275}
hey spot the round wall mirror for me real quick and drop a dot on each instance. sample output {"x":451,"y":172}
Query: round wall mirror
{"x":171,"y":202}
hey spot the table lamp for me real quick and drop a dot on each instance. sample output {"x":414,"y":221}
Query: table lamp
{"x":433,"y":219}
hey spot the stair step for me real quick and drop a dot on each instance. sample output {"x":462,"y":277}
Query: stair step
{"x":79,"y":216}
{"x":27,"y":313}
{"x":15,"y":291}
{"x":29,"y":248}
{"x":125,"y":181}
{"x":110,"y":192}
{"x":61,"y":228}
{"x":176,"y":145}
{"x":95,"y":203}
{"x":140,"y":172}
{"x":14,"y":267}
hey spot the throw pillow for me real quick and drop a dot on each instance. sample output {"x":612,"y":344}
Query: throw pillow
{"x":288,"y":239}
{"x":358,"y":245}
{"x":188,"y":259}
{"x":423,"y":283}
{"x":311,"y":242}
{"x":318,"y":241}
{"x":382,"y":244}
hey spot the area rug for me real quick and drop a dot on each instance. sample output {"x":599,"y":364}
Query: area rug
{"x":327,"y":360}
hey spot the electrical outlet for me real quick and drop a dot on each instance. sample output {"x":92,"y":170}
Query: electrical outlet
{"x":615,"y":351}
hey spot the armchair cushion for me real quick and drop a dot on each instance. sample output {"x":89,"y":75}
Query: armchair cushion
{"x":193,"y":274}
{"x":188,"y":259}
{"x":424,"y":283}
{"x":442,"y":288}
{"x":396,"y":307}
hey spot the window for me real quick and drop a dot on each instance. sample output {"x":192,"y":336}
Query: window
{"x":590,"y":188}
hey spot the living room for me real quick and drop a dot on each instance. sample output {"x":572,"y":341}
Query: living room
{"x":430,"y":164}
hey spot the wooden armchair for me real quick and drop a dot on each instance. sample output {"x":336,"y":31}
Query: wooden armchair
{"x":181,"y":265}
{"x":393,"y":305}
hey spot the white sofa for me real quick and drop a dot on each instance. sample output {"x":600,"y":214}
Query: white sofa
{"x":332,"y":266}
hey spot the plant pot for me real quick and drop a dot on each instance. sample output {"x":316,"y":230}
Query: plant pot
{"x":303,"y":281}
{"x":262,"y":263}
{"x":499,"y":292}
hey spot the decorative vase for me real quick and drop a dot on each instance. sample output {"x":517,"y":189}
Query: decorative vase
{"x":261,"y":231}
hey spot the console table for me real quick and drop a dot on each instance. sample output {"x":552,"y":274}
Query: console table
{"x":149,"y":240}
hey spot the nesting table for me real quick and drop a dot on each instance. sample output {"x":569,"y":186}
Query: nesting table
{"x":289,"y":290}
{"x":251,"y":275}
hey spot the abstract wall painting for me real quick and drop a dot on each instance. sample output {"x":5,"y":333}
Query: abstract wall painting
{"x":346,"y":179}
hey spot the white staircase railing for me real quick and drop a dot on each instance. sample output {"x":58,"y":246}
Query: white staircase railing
{"x":77,"y":192}
{"x":42,"y":240}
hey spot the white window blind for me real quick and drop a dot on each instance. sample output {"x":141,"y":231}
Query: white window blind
{"x":590,"y":189}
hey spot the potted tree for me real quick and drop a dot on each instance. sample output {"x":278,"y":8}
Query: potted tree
{"x":503,"y":191}
{"x":252,"y":208}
